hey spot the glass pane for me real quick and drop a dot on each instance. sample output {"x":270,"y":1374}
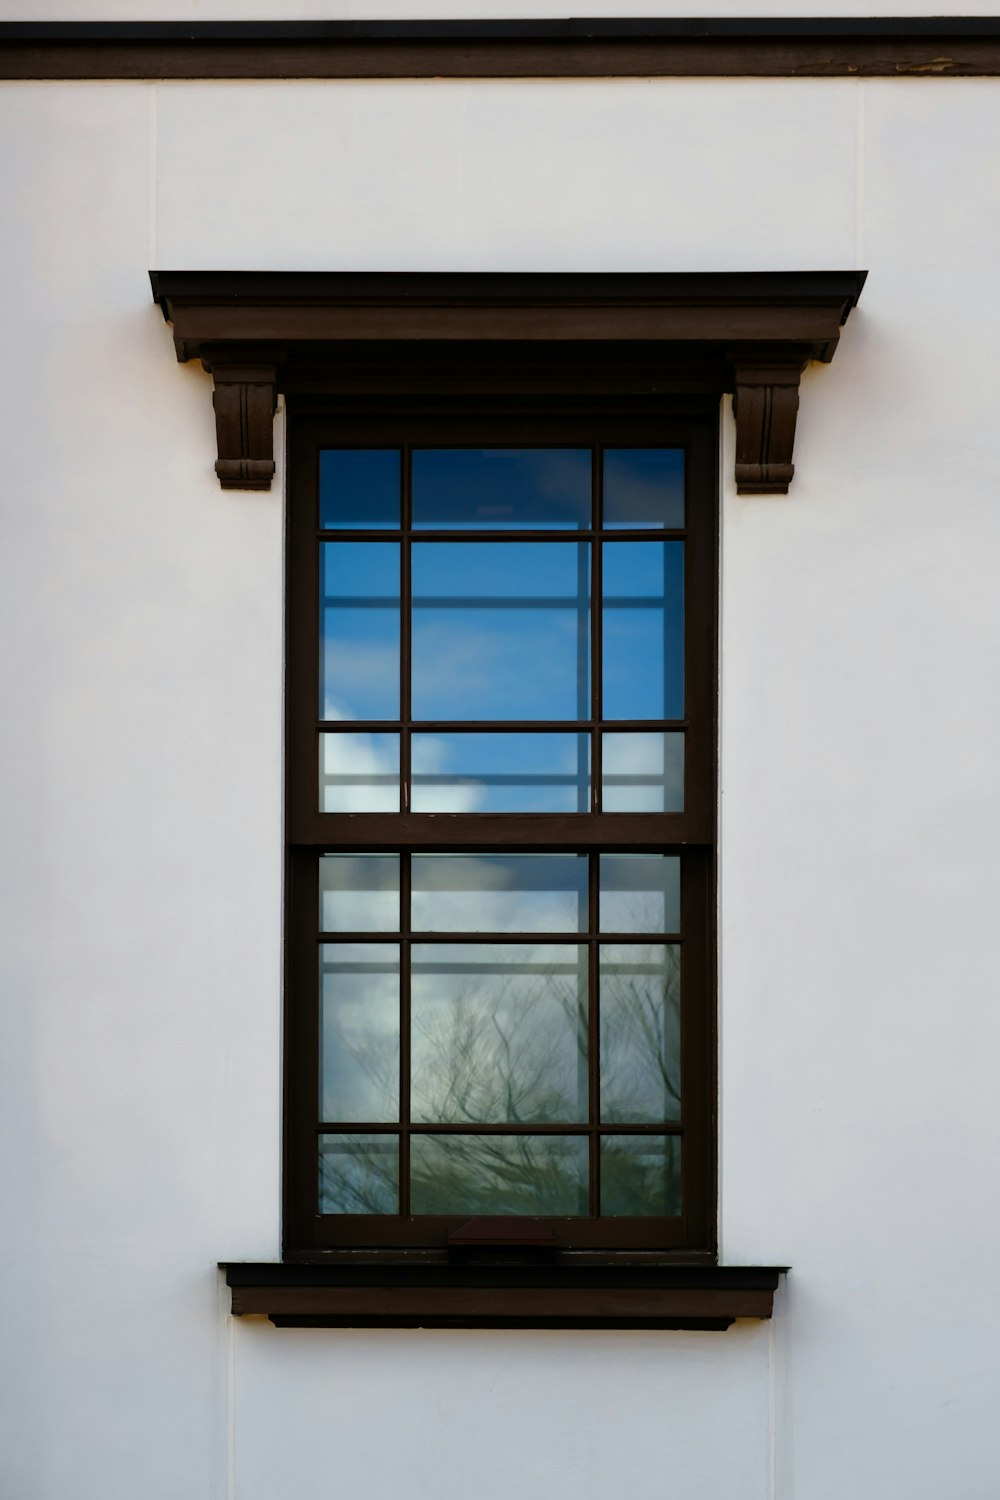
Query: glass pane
{"x":643,"y":630}
{"x":359,"y":1174}
{"x":359,"y":488}
{"x":358,"y":772}
{"x":640,"y":892}
{"x":642,"y":772}
{"x":499,"y":1033}
{"x":359,"y":1031}
{"x":641,"y":1175}
{"x":640,"y":1033}
{"x":359,"y":893}
{"x":643,"y":487}
{"x":359,"y":642}
{"x":493,"y":489}
{"x":501,"y":630}
{"x":498,"y":1174}
{"x":499,"y":892}
{"x":501,"y":772}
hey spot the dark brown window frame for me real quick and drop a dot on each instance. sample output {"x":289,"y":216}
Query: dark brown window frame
{"x":690,"y":833}
{"x":643,"y":347}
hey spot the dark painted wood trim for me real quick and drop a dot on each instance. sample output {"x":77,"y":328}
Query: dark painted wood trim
{"x":752,"y":333}
{"x":965,"y":46}
{"x":633,"y":1292}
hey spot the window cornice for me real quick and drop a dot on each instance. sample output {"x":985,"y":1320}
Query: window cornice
{"x":749,"y":333}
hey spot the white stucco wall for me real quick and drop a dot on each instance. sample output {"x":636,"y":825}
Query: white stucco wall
{"x":140,"y":673}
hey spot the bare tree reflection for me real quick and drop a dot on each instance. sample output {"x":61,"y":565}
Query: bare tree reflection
{"x":506,"y":1043}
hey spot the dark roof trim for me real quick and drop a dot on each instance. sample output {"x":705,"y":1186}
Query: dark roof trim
{"x":752,"y":333}
{"x":523,"y":29}
{"x":960,"y":46}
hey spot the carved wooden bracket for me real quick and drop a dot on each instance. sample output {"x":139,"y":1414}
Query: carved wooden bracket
{"x":245,"y":399}
{"x":431,"y":334}
{"x":765,"y":405}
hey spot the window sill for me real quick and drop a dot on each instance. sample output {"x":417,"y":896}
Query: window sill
{"x":631,"y":1293}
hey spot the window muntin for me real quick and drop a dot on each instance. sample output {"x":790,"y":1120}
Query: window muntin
{"x":518,"y":1007}
{"x":542,"y":638}
{"x":423,"y":788}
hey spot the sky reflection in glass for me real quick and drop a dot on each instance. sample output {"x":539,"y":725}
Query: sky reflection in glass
{"x":643,"y":487}
{"x":496,"y":489}
{"x":359,"y":647}
{"x":640,"y":893}
{"x":643,"y":630}
{"x":359,"y":1031}
{"x":359,"y":488}
{"x":499,"y":892}
{"x":642,"y":771}
{"x":358,"y":772}
{"x":501,"y":772}
{"x":359,"y":893}
{"x":501,"y":630}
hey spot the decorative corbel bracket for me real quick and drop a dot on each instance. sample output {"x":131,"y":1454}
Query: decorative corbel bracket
{"x":245,"y":400}
{"x":765,"y":405}
{"x":677,"y":333}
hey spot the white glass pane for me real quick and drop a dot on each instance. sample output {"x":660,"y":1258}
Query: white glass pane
{"x":642,"y":772}
{"x":358,"y":772}
{"x":499,"y":893}
{"x":359,"y":1031}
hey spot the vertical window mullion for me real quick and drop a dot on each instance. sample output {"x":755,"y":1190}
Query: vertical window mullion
{"x":405,"y":968}
{"x":596,"y":609}
{"x":594,"y":1035}
{"x":406,"y":633}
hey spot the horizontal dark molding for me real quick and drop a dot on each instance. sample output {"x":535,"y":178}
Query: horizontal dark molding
{"x":304,"y":309}
{"x":264,"y":333}
{"x":625,"y":1293}
{"x":961,"y":46}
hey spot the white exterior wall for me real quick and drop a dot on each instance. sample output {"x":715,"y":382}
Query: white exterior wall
{"x":140,"y":675}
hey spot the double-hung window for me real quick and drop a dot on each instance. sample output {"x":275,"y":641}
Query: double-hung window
{"x":501,"y":773}
{"x":501,"y":770}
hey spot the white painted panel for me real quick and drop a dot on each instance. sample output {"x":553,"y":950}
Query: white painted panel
{"x":571,"y":1416}
{"x":619,"y":175}
{"x":860,"y":856}
{"x":140,"y":677}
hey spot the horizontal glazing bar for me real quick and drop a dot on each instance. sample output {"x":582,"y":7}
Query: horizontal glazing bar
{"x":375,"y":1127}
{"x":635,"y":533}
{"x":491,"y":726}
{"x":363,"y":936}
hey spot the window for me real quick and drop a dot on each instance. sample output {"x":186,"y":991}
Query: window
{"x":501,"y":786}
{"x":581,"y":783}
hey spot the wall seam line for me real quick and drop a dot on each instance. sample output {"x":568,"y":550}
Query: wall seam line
{"x":859,"y":177}
{"x":154,"y":166}
{"x":230,"y":1408}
